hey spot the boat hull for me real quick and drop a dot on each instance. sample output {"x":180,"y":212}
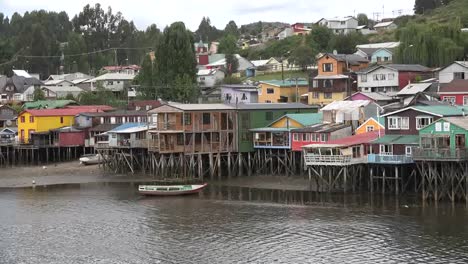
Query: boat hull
{"x":145,"y":191}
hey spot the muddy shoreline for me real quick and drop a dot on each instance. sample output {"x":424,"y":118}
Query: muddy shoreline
{"x":74,"y":173}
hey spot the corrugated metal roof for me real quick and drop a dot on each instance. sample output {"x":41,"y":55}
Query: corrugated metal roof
{"x":443,"y":110}
{"x":345,"y":105}
{"x":201,"y":107}
{"x":70,"y":89}
{"x":398,"y":140}
{"x":307,"y":119}
{"x":129,"y":128}
{"x":350,"y":141}
{"x":270,"y":129}
{"x":321,"y":128}
{"x":112,"y":76}
{"x":383,"y":24}
{"x":60,"y":112}
{"x":116,"y":113}
{"x":273,"y":106}
{"x":49,"y":104}
{"x":103,"y":127}
{"x":331,"y":77}
{"x":456,"y":86}
{"x":460,"y":121}
{"x":414,"y":88}
{"x":286,"y":83}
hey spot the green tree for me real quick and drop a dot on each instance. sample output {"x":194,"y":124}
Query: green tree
{"x":70,"y":96}
{"x":38,"y":94}
{"x":362,"y":19}
{"x":231,"y":29}
{"x":321,"y":37}
{"x":303,"y":56}
{"x":75,"y":45}
{"x":145,"y":79}
{"x":422,"y":6}
{"x":346,"y":43}
{"x":185,"y":90}
{"x":177,"y":59}
{"x":232,"y":64}
{"x":228,"y":45}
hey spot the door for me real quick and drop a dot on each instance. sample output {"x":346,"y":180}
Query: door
{"x":409,"y":151}
{"x":460,"y":141}
{"x":22,"y":135}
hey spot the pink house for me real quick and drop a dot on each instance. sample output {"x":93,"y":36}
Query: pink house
{"x":376,"y":97}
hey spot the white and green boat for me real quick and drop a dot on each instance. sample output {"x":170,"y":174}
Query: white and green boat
{"x":165,"y":190}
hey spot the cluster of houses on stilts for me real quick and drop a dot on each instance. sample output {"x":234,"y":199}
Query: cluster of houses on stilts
{"x":383,"y":128}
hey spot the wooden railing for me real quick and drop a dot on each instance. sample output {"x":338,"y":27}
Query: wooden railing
{"x":389,"y":159}
{"x":332,"y":160}
{"x":440,"y":154}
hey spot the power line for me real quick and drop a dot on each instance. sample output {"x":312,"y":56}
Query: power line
{"x":81,"y":54}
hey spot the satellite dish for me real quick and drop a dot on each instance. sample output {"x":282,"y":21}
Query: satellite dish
{"x":9,"y":123}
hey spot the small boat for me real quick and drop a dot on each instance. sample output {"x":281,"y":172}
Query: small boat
{"x":163,"y":190}
{"x":91,"y":159}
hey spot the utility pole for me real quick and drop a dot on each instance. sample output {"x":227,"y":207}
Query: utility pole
{"x":297,"y":91}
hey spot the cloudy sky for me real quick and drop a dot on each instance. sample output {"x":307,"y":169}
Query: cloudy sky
{"x":164,"y":12}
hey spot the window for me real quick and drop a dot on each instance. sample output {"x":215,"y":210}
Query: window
{"x":315,"y":95}
{"x":327,"y":67}
{"x":379,"y":77}
{"x":324,"y":138}
{"x":364,"y":78}
{"x":270,"y":91}
{"x":426,"y":142}
{"x":110,"y":83}
{"x":244,"y":97}
{"x":391,"y":76}
{"x":187,"y":119}
{"x":23,"y":119}
{"x":386,"y":58}
{"x":369,"y":128}
{"x":314,"y":137}
{"x":327,"y":95}
{"x":386,"y":149}
{"x":379,"y":59}
{"x":408,"y":151}
{"x":202,"y":78}
{"x":315,"y":84}
{"x":295,"y":137}
{"x":61,"y":120}
{"x":396,"y":122}
{"x":305,"y":137}
{"x":327,"y":84}
{"x":343,"y":23}
{"x":268,"y":101}
{"x":269,"y":116}
{"x":423,"y":121}
{"x":465,"y":100}
{"x":180,"y":139}
{"x":449,"y":99}
{"x":459,"y":75}
{"x":206,"y":118}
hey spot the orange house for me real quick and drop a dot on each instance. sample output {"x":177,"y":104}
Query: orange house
{"x":371,"y":124}
{"x":335,"y":81}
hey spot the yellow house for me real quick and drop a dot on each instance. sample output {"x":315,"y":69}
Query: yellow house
{"x":286,"y":91}
{"x":371,"y":124}
{"x":43,"y":120}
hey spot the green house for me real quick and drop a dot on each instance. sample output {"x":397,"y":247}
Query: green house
{"x":261,"y":115}
{"x":445,"y":139}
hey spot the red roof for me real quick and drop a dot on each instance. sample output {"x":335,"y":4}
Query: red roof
{"x":119,"y":68}
{"x":456,"y":86}
{"x":357,"y":139}
{"x":60,"y":112}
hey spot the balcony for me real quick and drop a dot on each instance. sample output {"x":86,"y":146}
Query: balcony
{"x":332,"y":160}
{"x":431,"y":154}
{"x":389,"y":158}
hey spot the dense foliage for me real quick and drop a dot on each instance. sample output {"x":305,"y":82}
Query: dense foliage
{"x":36,"y":40}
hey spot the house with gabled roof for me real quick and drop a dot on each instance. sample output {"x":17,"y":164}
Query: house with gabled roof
{"x":379,"y":53}
{"x":458,"y":70}
{"x":455,"y":92}
{"x":390,"y":77}
{"x":277,"y":135}
{"x":371,"y":124}
{"x":402,"y":130}
{"x":340,"y":25}
{"x":376,"y":97}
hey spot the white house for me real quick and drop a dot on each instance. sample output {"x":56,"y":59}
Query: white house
{"x":378,"y":52}
{"x":115,"y":82}
{"x":240,"y":93}
{"x":340,"y":25}
{"x":389,"y":25}
{"x":244,"y":64}
{"x":55,"y":92}
{"x":270,"y":65}
{"x":389,"y":77}
{"x":58,"y":83}
{"x":208,"y":77}
{"x":455,"y":71}
{"x":287,"y":32}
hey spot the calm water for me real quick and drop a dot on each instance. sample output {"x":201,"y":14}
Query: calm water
{"x":113,"y":224}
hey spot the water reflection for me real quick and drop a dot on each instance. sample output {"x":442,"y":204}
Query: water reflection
{"x":111,"y":223}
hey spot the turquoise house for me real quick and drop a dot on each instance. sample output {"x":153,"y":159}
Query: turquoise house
{"x":382,"y":56}
{"x":445,"y":139}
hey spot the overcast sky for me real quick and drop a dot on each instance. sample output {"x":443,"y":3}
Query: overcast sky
{"x":164,"y":12}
